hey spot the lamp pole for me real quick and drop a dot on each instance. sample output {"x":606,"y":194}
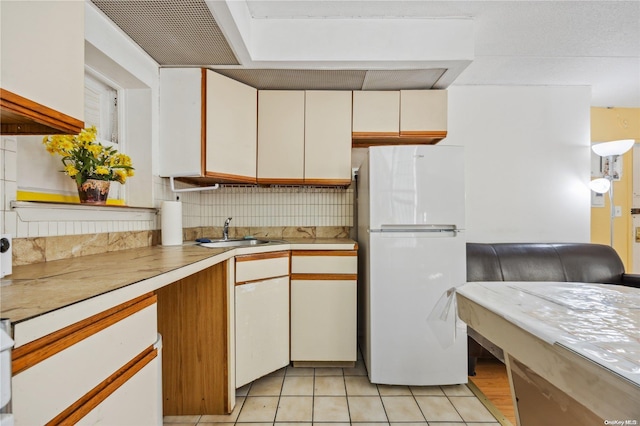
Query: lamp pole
{"x":612,"y":150}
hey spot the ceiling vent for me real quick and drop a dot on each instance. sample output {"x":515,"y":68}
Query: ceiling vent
{"x":173,"y":32}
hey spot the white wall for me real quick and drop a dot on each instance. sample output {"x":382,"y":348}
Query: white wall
{"x":527,"y":161}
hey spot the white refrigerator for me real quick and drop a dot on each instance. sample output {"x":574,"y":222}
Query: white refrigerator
{"x":412,"y":250}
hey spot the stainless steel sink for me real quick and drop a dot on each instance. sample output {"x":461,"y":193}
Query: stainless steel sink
{"x":233,"y":243}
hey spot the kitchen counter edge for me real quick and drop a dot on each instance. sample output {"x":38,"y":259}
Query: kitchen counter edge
{"x":41,"y":288}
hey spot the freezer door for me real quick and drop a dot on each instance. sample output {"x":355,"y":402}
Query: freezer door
{"x":409,"y":274}
{"x":416,"y":185}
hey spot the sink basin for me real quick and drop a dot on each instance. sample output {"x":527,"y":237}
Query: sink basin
{"x":233,"y":243}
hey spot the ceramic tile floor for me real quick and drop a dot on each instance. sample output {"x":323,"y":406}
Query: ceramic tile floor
{"x":343,"y":396}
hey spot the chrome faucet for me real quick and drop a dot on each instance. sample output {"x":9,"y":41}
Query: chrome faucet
{"x":225,"y":229}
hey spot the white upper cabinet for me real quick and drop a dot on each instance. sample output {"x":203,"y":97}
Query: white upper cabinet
{"x":42,"y":68}
{"x":327,"y":151}
{"x":181,"y":121}
{"x":423,"y":112}
{"x":281,"y":137}
{"x":399,"y":117}
{"x":376,"y":112}
{"x":214,"y":137}
{"x":231,"y":123}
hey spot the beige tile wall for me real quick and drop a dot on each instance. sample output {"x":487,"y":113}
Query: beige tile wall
{"x":8,"y":185}
{"x":254,"y":206}
{"x":277,"y":213}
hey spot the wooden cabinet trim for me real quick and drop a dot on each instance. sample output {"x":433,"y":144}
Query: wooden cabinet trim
{"x":193,"y":319}
{"x":279,"y":181}
{"x":364,"y":140}
{"x":37,"y":351}
{"x":203,"y":121}
{"x":324,"y":277}
{"x":262,"y":256}
{"x":97,"y":395}
{"x":327,"y":182}
{"x":23,"y":116}
{"x":260,"y":280}
{"x":324,"y":253}
{"x":229,"y":178}
{"x":423,"y":133}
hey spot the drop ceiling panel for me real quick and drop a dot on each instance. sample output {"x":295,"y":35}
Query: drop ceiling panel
{"x":293,"y":79}
{"x":402,"y":79}
{"x":173,"y":32}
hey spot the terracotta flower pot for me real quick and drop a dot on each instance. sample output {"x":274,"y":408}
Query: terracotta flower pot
{"x":94,"y":191}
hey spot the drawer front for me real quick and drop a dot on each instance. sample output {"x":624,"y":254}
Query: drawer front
{"x":324,"y":262}
{"x":261,"y":266}
{"x":60,"y":380}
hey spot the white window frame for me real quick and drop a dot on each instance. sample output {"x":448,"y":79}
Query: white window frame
{"x":99,"y":80}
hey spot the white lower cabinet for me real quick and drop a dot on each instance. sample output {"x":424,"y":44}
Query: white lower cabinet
{"x":323,"y":306}
{"x":69,"y":374}
{"x":121,"y":409}
{"x":323,"y":320}
{"x":261,"y":315}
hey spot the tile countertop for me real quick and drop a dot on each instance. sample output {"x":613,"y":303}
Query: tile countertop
{"x":33,"y":290}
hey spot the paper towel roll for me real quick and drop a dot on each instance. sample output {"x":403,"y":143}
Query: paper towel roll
{"x":171,"y":223}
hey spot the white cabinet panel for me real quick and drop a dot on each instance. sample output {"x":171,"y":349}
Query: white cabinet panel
{"x":123,"y":410}
{"x":327,"y":145}
{"x":180,"y":121}
{"x":58,"y":381}
{"x":323,"y":320}
{"x":228,"y":128}
{"x":232,"y":120}
{"x":376,"y":112}
{"x":44,"y":61}
{"x":423,"y":111}
{"x":280,"y":136}
{"x":324,"y":264}
{"x":323,"y":305}
{"x":252,"y":268}
{"x":262,"y":328}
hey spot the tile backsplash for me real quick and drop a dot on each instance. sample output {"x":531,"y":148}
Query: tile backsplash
{"x":8,"y":184}
{"x":44,"y":233}
{"x":254,"y":206}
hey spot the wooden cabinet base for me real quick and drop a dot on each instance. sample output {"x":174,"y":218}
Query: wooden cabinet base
{"x":192,"y":319}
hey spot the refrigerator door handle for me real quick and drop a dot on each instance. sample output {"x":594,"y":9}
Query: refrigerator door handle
{"x":417,"y":228}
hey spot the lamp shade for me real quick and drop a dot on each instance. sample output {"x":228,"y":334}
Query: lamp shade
{"x":606,"y":149}
{"x":600,"y":186}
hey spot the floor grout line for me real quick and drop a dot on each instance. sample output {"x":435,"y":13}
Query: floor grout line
{"x":475,"y":393}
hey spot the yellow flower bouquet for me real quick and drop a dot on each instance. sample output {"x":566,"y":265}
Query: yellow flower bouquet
{"x":84,"y":158}
{"x":91,"y":164}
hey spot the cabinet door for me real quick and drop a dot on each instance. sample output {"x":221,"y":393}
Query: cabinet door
{"x":231,"y":129}
{"x":422,"y":112}
{"x":323,"y":320}
{"x":376,"y":112}
{"x":327,"y":150}
{"x":280,"y":137}
{"x":262,"y":328}
{"x":323,"y":305}
{"x":65,"y":372}
{"x":180,"y":121}
{"x":43,"y":63}
{"x":121,"y":409}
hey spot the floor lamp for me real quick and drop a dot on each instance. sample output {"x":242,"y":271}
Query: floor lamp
{"x":611,"y":151}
